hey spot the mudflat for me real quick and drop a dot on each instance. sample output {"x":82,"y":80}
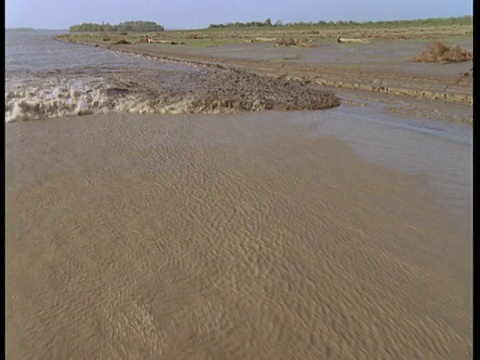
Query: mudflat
{"x":223,"y":236}
{"x":384,"y":62}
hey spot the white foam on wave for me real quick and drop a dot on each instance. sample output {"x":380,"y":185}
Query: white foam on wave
{"x":144,"y":91}
{"x":61,"y":97}
{"x":48,"y":95}
{"x":55,"y":98}
{"x":93,"y":96}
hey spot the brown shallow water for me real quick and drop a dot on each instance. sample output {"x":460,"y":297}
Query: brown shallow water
{"x":233,"y":236}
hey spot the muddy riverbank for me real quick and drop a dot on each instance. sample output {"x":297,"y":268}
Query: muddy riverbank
{"x":363,"y":67}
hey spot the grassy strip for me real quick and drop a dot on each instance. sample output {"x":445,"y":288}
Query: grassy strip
{"x":429,"y":29}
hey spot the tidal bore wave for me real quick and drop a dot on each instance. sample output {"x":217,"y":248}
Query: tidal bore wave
{"x":150,"y":91}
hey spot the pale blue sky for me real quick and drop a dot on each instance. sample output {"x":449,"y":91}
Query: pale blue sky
{"x":189,"y":14}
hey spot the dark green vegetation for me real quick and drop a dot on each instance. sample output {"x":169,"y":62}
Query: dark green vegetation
{"x":124,"y":27}
{"x":267,"y":23}
{"x":463,"y":20}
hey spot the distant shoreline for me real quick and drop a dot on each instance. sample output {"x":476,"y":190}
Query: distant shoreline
{"x":32,"y":29}
{"x":20,"y":29}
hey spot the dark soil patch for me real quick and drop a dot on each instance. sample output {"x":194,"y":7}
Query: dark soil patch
{"x":121,"y":42}
{"x":287,"y":42}
{"x":440,"y":53}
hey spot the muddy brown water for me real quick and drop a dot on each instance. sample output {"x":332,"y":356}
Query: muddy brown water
{"x":343,"y":233}
{"x":261,"y":235}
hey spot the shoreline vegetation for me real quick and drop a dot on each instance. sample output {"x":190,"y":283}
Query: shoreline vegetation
{"x":139,"y":26}
{"x":296,"y":35}
{"x":134,"y":26}
{"x":461,"y":20}
{"x":291,"y":34}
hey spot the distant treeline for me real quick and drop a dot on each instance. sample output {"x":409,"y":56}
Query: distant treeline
{"x":267,"y":22}
{"x":125,"y":26}
{"x":462,"y":20}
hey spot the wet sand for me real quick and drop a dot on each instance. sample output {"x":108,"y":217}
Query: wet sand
{"x":234,"y":236}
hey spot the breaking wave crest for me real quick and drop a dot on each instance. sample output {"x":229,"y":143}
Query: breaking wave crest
{"x":156,"y":91}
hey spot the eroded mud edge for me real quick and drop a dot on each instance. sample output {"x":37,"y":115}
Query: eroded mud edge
{"x":445,"y":89}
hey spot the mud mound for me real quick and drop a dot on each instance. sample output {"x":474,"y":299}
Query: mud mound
{"x":440,"y":53}
{"x":287,"y":42}
{"x":239,"y":90}
{"x":225,"y":91}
